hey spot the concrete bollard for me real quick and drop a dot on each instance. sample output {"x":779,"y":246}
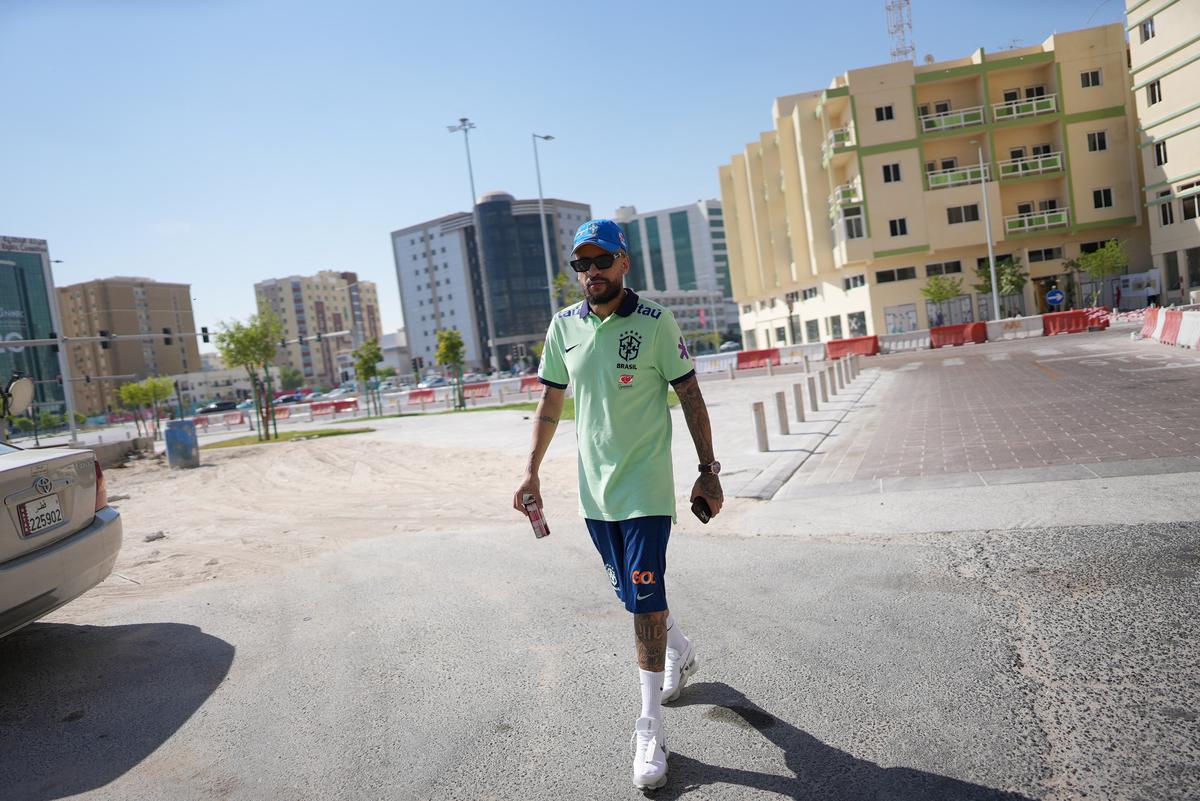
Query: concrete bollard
{"x":832,"y":381}
{"x":781,"y":408}
{"x":770,"y":367}
{"x":839,"y":370}
{"x":812,"y":392}
{"x":730,"y":368}
{"x":807,"y":366}
{"x":798,"y":398}
{"x":824,"y":378}
{"x":760,"y":425}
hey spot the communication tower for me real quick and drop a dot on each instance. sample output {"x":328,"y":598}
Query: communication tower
{"x":899,"y":24}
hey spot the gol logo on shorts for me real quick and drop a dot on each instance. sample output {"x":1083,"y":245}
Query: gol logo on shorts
{"x":643,"y":577}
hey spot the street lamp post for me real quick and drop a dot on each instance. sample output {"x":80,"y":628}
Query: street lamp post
{"x":542,"y":216}
{"x":465,"y":125}
{"x":987,"y":226}
{"x":64,"y":367}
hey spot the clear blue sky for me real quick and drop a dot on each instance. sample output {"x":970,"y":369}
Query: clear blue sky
{"x":220,"y":142}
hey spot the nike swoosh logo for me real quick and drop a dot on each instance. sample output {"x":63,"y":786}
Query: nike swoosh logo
{"x":573,"y":347}
{"x":644,"y":597}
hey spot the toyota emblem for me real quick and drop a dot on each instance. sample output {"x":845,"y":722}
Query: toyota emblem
{"x":43,"y":485}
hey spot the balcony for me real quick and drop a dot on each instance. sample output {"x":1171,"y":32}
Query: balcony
{"x":1029,"y":107}
{"x":845,"y":194}
{"x":949,"y":120}
{"x":1034,"y":165}
{"x":835,"y":140}
{"x":970,"y":174}
{"x":1037,"y":221}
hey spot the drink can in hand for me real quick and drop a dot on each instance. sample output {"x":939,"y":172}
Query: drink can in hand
{"x":540,"y":529}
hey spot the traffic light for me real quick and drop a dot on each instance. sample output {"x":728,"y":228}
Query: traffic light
{"x":204,"y":333}
{"x":87,"y":379}
{"x":166,"y":336}
{"x":318,"y":337}
{"x":283,"y":343}
{"x":104,"y":342}
{"x":54,"y":345}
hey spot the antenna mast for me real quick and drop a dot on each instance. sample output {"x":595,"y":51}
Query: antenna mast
{"x":899,"y":25}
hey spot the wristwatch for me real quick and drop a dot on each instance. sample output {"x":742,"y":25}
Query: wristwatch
{"x":711,"y":469}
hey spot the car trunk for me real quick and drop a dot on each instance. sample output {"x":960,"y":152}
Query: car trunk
{"x":48,"y":495}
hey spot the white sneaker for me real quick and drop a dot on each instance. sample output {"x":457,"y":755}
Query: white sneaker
{"x":649,"y":754}
{"x":679,"y":667}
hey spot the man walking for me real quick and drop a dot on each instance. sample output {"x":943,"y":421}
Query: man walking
{"x":620,"y":352}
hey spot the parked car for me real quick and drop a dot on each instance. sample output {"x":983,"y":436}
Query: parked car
{"x":60,"y":537}
{"x":729,"y":347}
{"x":291,"y":397}
{"x":216,"y":407}
{"x":341,"y":393}
{"x":433,"y":381}
{"x":246,"y":404}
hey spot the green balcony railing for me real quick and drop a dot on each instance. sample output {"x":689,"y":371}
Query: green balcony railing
{"x":1029,"y":107}
{"x":837,"y":138}
{"x":958,"y":176}
{"x":949,"y":120}
{"x":1037,"y":221}
{"x":1034,"y":165}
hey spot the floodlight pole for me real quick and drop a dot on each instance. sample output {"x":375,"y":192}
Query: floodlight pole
{"x":465,"y":125}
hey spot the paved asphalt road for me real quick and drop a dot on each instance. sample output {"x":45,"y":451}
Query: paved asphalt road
{"x":484,"y":664}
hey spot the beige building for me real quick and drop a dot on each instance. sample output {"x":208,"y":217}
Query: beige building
{"x":838,"y":217}
{"x":1164,"y":54}
{"x":323,"y":303}
{"x":123,"y":307}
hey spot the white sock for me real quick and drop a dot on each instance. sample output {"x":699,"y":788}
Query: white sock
{"x":675,"y":639}
{"x":652,"y":684}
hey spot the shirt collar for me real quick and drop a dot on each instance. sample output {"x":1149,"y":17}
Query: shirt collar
{"x":628,"y":305}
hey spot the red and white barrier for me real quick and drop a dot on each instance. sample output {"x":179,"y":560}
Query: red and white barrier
{"x":952,"y":335}
{"x":1014,"y":328}
{"x":910,"y":340}
{"x":481,"y":390}
{"x":1189,"y":331}
{"x":753,"y":359}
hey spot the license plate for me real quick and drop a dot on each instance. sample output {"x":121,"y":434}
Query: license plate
{"x":39,"y":515}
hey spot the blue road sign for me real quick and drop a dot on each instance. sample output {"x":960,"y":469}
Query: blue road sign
{"x":1055,"y":297}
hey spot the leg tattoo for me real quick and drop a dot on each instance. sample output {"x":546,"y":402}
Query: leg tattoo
{"x":651,"y":633}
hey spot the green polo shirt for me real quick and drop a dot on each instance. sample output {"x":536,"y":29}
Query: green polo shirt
{"x":620,"y":368}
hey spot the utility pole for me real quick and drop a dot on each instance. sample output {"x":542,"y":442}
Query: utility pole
{"x":987,"y":226}
{"x":465,"y":125}
{"x":542,"y":216}
{"x":64,"y":366}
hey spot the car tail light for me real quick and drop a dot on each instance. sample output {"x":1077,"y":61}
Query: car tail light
{"x":101,"y":489}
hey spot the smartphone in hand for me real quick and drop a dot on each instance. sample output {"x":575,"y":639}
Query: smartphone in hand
{"x":540,"y":529}
{"x":701,"y":509}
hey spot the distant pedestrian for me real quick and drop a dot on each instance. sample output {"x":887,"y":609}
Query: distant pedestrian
{"x":620,"y":352}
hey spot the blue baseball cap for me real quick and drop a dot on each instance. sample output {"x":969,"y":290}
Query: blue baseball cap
{"x":605,"y":233}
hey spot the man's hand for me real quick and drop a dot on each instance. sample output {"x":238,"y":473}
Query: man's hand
{"x":708,"y":487}
{"x":530,"y":485}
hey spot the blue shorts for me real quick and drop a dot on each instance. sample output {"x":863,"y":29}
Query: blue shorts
{"x":635,"y":556}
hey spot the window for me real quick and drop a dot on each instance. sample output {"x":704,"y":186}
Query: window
{"x":1146,"y":29}
{"x":858,"y":323}
{"x":884,"y":113}
{"x":896,"y":274}
{"x":923,"y":109}
{"x":1153,"y":93}
{"x":898,"y":227}
{"x":1090,"y":247}
{"x":962,"y":214}
{"x":1025,"y":208}
{"x":808,"y":294}
{"x":1043,"y":150}
{"x":1047,"y":205}
{"x":747,"y":308}
{"x":1090,"y":78}
{"x":891,"y":173}
{"x":941,"y":107}
{"x":853,"y":219}
{"x":1045,"y":254}
{"x":1012,"y":95}
{"x":853,"y":282}
{"x":812,"y":331}
{"x":950,"y":163}
{"x":835,"y":326}
{"x":900,"y":319}
{"x":943,"y":268}
{"x":1189,"y":205}
{"x":930,"y":166}
{"x":1166,"y":210}
{"x":982,"y":263}
{"x":1097,"y":141}
{"x":781,"y":336}
{"x":1160,"y":153}
{"x":1102,"y":198}
{"x":1015,"y":153}
{"x":1035,"y":91}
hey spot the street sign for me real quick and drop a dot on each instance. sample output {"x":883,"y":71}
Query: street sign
{"x":1055,"y":297}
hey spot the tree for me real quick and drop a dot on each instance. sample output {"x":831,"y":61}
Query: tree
{"x":710,"y":338}
{"x":1099,"y":264}
{"x":290,"y":378}
{"x":387,"y":371}
{"x":450,"y":354}
{"x":133,"y":397}
{"x":157,"y":390}
{"x":941,"y":288}
{"x":566,"y":290}
{"x":1009,"y":275}
{"x":366,"y":356}
{"x":23,"y":423}
{"x":251,"y":345}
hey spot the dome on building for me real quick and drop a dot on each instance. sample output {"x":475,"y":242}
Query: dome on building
{"x":494,"y":195}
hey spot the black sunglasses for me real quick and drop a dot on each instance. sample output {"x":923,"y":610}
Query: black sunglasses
{"x":603,"y":262}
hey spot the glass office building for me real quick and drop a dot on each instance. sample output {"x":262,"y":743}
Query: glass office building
{"x":25,"y":314}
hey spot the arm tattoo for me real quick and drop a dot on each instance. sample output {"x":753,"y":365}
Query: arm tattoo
{"x":651,"y":633}
{"x":696,"y":414}
{"x":545,"y":418}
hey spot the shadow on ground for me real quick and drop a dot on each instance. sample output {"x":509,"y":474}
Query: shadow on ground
{"x":819,"y":772}
{"x":81,"y":705}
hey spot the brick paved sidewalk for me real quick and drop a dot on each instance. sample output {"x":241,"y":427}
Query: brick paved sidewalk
{"x":1074,"y":399}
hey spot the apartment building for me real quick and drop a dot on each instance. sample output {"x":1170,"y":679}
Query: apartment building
{"x":441,"y":286}
{"x":1164,"y":55}
{"x":678,"y":258}
{"x":124,"y":306}
{"x":324,"y":303}
{"x":863,"y":191}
